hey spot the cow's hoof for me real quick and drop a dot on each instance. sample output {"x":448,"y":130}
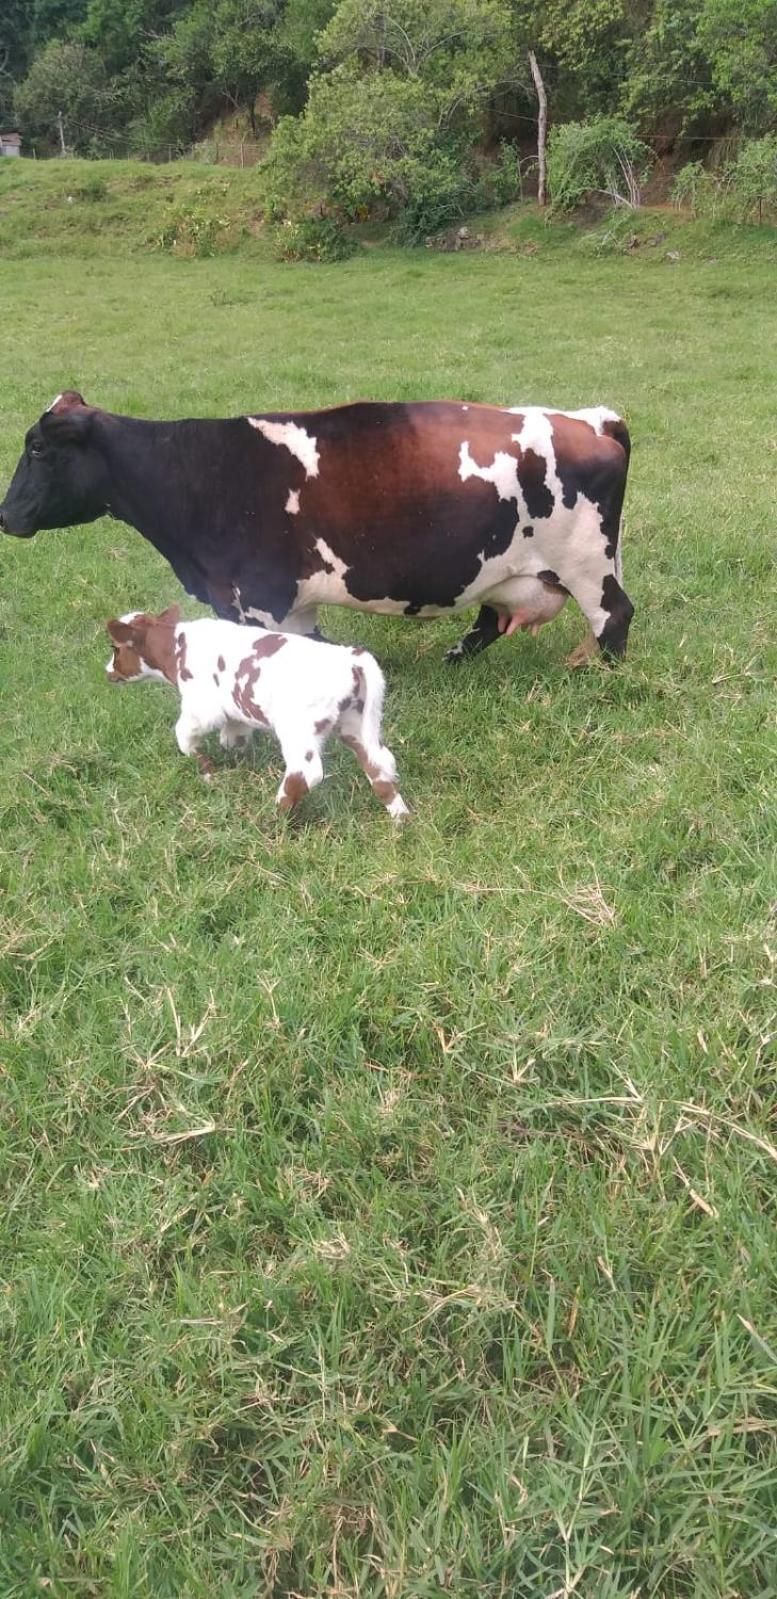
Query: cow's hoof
{"x":454,"y":656}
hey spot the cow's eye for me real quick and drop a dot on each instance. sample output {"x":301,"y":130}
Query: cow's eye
{"x":36,"y":451}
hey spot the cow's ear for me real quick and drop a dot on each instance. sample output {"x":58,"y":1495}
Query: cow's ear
{"x":171,"y":617}
{"x":120,"y":632}
{"x":66,"y":402}
{"x":72,"y":426}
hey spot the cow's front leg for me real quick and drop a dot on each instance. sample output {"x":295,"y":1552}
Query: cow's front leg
{"x":304,"y":623}
{"x":484,"y":631}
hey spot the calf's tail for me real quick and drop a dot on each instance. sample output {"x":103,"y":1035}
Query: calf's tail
{"x":374,"y":692}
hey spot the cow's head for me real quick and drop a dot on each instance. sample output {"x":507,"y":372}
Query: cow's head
{"x":61,"y":478}
{"x":144,"y":646}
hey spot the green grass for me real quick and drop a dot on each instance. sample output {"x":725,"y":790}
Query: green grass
{"x":384,"y":1215}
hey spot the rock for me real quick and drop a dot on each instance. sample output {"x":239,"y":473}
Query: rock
{"x":673,"y":255}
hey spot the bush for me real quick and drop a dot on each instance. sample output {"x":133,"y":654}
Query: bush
{"x":195,"y":229}
{"x":313,"y":239}
{"x":602,"y":156}
{"x":744,"y":189}
{"x":698,"y":190}
{"x":753,"y":176}
{"x":367,"y":146}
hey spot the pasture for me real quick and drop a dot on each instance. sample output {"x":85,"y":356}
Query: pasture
{"x":392,"y":1215}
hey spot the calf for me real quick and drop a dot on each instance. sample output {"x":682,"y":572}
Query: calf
{"x":235,"y":679}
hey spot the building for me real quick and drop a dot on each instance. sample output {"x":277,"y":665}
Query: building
{"x":10,"y":144}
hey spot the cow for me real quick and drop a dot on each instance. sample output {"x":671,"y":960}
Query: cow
{"x":235,"y":679}
{"x":406,"y":509}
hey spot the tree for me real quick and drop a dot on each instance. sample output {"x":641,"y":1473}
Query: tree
{"x":68,"y":77}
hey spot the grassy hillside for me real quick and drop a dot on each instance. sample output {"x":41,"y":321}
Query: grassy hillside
{"x":189,"y":209}
{"x":393,"y":1216}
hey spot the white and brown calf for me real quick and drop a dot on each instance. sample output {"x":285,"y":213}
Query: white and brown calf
{"x":233,"y":680}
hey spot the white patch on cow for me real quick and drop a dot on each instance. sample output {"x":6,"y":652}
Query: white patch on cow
{"x":503,"y":473}
{"x":331,"y":559}
{"x":595,"y":416}
{"x":293,"y":438}
{"x":55,"y":401}
{"x":250,"y":613}
{"x":292,"y":503}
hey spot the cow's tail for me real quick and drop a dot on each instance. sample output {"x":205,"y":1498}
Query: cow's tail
{"x":374,"y":694}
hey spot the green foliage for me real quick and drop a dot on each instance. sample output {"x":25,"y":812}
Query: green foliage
{"x":321,"y":238}
{"x":601,"y":157}
{"x":740,"y":38}
{"x":390,"y":127}
{"x":754,"y":176}
{"x":199,"y":227}
{"x":71,"y":78}
{"x":745,"y":190}
{"x":696,"y":189}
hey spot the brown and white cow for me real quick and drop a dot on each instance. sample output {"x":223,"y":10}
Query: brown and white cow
{"x":408,"y":509}
{"x":233,"y":680}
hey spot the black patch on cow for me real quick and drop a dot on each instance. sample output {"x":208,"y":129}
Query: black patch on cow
{"x":552,"y":579}
{"x":412,"y":609}
{"x":532,"y":471}
{"x":528,"y":532}
{"x":583,"y":466}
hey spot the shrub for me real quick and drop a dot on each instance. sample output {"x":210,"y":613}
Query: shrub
{"x":743,"y":189}
{"x":313,"y":239}
{"x":602,"y":156}
{"x":698,"y":190}
{"x":753,"y":176}
{"x":195,"y":229}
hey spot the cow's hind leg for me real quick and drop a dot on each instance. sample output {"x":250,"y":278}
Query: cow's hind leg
{"x":603,"y":601}
{"x":484,"y":631}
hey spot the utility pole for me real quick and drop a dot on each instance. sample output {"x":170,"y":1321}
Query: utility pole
{"x":63,"y":146}
{"x":542,"y":124}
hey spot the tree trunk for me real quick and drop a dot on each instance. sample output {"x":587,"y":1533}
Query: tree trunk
{"x":542,"y":124}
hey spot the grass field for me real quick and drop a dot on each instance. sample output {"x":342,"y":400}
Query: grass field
{"x":393,"y":1215}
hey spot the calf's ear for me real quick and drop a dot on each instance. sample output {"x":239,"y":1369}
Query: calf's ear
{"x":171,"y":616}
{"x":120,"y":632}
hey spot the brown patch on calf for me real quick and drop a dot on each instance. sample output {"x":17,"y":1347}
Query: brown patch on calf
{"x":146,"y":639}
{"x":295,"y":786}
{"x":324,"y":725}
{"x":384,"y":788}
{"x":268,"y":645}
{"x":216,"y":679}
{"x":246,"y":678}
{"x":221,"y":664}
{"x":308,"y":755}
{"x":184,"y":675}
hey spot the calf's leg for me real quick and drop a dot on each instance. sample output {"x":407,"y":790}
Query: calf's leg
{"x":304,"y":767}
{"x":376,"y":761}
{"x":188,"y":735}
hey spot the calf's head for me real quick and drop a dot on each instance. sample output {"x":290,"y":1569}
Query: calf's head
{"x":144,"y":646}
{"x":61,"y":478}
